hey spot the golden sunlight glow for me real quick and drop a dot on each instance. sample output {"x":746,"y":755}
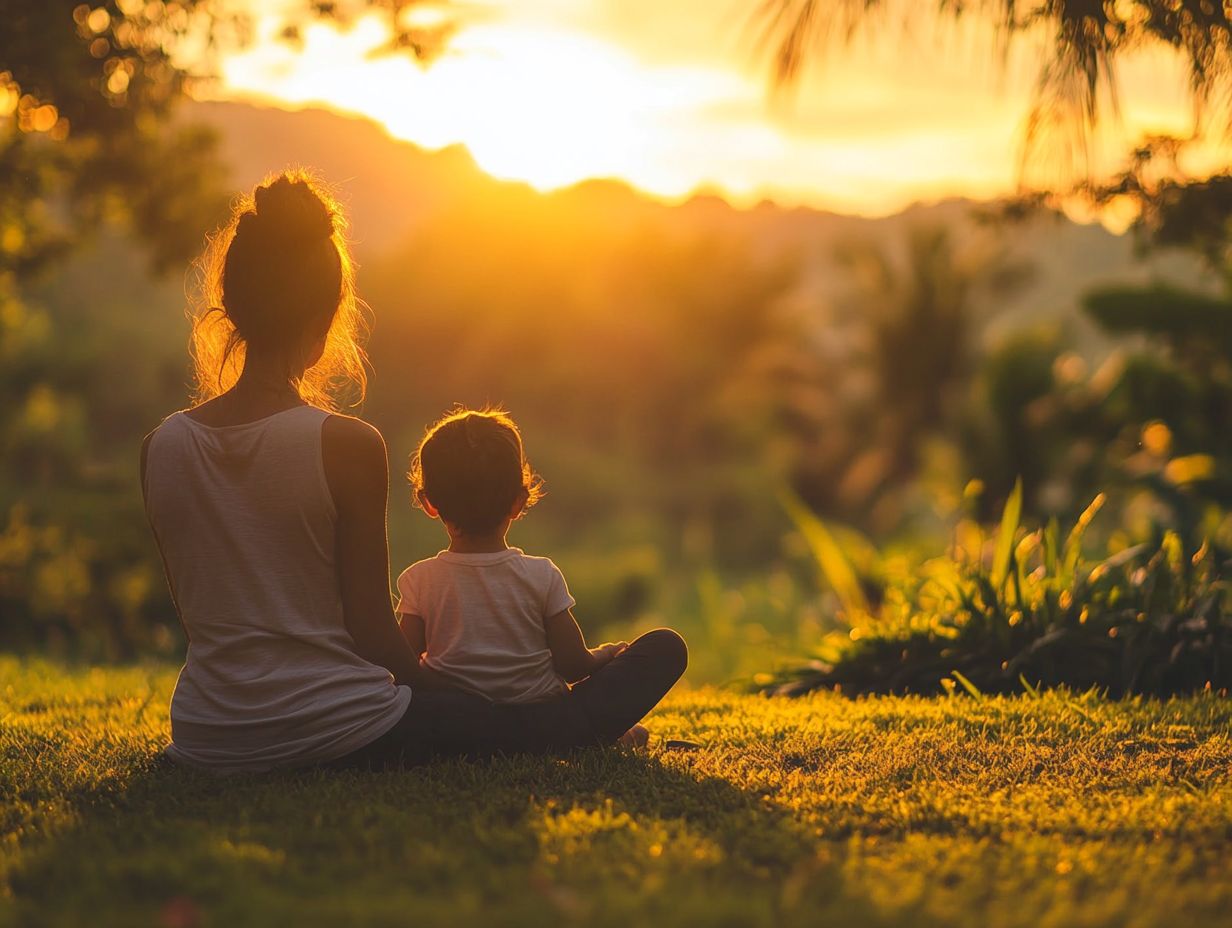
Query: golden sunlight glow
{"x":556,"y":101}
{"x":550,"y":108}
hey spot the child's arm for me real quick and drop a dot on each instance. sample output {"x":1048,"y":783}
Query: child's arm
{"x":570,"y":656}
{"x":415,"y":635}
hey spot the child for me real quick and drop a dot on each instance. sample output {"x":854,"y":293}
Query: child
{"x":492,"y":620}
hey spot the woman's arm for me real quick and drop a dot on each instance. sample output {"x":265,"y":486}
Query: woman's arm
{"x":570,"y":656}
{"x":145,"y":456}
{"x":357,"y":471}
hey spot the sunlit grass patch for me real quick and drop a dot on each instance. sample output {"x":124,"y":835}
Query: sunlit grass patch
{"x":1057,"y":810}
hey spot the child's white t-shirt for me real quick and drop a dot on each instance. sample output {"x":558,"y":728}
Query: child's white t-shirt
{"x":483,"y":618}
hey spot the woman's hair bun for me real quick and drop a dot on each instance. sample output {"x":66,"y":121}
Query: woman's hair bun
{"x":288,"y":211}
{"x":281,"y":273}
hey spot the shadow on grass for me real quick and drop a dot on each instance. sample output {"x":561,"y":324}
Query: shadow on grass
{"x":602,"y":837}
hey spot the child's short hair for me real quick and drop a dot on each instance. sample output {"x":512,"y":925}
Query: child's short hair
{"x":471,"y":467}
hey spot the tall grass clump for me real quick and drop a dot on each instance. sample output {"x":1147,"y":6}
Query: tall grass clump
{"x":1022,"y":608}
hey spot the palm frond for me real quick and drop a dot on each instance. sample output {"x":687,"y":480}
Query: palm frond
{"x":1076,"y":87}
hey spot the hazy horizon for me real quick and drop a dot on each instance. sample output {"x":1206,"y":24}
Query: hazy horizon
{"x":674,"y":100}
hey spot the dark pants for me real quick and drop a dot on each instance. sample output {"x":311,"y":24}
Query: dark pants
{"x":451,"y":723}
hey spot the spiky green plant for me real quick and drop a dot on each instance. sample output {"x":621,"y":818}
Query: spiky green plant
{"x":1026,"y":610}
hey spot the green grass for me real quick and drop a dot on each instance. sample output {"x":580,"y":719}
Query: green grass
{"x":1060,"y":810}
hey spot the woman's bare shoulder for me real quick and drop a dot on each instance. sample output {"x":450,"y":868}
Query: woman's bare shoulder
{"x":350,"y":432}
{"x":353,"y":452}
{"x":145,"y":446}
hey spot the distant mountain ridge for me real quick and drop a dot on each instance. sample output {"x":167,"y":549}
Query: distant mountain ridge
{"x":372,"y":169}
{"x":393,"y":188}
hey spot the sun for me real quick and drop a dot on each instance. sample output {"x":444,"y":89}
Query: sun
{"x":547,"y":108}
{"x":550,"y":108}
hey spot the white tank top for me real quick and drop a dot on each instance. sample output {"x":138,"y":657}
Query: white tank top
{"x":245,"y":522}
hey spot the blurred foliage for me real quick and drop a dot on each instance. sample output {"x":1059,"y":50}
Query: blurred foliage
{"x":87,"y":145}
{"x":1156,"y":411}
{"x":1170,"y":209}
{"x":86,"y":95}
{"x":909,"y":327}
{"x":70,"y":505}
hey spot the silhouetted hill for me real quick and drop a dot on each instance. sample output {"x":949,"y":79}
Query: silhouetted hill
{"x":393,"y":188}
{"x":389,"y":186}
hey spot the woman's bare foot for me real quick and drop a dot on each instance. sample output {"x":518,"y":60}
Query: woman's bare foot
{"x":635,"y":737}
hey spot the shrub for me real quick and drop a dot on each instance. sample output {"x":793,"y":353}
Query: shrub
{"x":1025,"y":609}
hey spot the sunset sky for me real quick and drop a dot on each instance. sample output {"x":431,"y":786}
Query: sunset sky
{"x":670,"y":96}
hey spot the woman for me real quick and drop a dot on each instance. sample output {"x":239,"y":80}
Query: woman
{"x":269,"y":511}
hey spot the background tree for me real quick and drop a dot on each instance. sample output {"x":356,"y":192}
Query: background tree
{"x":1173,"y":384}
{"x":91,"y":152}
{"x":910,"y":327}
{"x":1076,"y":80}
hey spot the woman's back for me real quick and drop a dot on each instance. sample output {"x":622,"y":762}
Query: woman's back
{"x":246,"y":523}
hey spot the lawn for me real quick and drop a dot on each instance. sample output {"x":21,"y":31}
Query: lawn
{"x":1062,"y":810}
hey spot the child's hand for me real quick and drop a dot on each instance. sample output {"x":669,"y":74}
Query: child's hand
{"x":430,"y":679}
{"x":605,"y":652}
